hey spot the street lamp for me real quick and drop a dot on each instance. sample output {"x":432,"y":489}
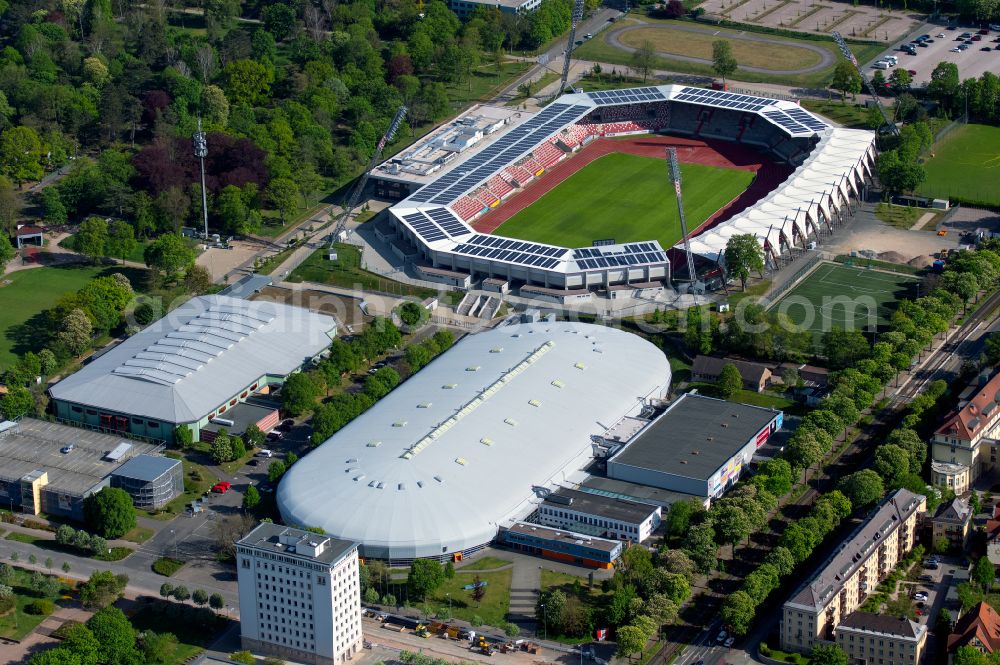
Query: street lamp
{"x":545,"y":624}
{"x":448,"y":596}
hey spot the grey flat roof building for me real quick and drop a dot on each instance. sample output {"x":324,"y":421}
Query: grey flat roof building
{"x":609,"y":507}
{"x":624,"y":489}
{"x":146,"y":467}
{"x":286,"y":540}
{"x":152,"y":481}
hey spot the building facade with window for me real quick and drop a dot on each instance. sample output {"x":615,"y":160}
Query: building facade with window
{"x":878,"y":639}
{"x":596,"y":515}
{"x":841,"y":585}
{"x":300,"y":595}
{"x":965,"y":446}
{"x":192,"y":366}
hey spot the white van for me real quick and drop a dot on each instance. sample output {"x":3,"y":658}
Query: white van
{"x":881,"y":64}
{"x":264,"y":453}
{"x":892,"y":60}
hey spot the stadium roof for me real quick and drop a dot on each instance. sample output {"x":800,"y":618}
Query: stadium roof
{"x":184,"y":366}
{"x":836,"y":165}
{"x":695,"y":436}
{"x":460,"y":448}
{"x":146,"y":467}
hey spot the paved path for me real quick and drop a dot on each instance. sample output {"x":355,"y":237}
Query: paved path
{"x":525,"y":582}
{"x":826,"y":58}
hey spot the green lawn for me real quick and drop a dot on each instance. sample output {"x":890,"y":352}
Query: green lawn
{"x":592,"y":597}
{"x":484,"y":83}
{"x":847,"y":113}
{"x":766,"y":399}
{"x":18,"y":624}
{"x":25,"y":294}
{"x":24,"y":537}
{"x":166,"y":566}
{"x":627,"y":198}
{"x":195,"y":628}
{"x":346,"y":272}
{"x":493,"y":608}
{"x":965,"y":166}
{"x":486,"y":563}
{"x":138,"y":534}
{"x":839,"y":296}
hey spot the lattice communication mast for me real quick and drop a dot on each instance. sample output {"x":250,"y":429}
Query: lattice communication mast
{"x":675,"y":175}
{"x":340,"y":229}
{"x":864,"y":79}
{"x":577,"y":17}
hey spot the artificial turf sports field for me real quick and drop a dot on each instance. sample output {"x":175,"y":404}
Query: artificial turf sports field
{"x":627,"y":198}
{"x":965,"y":166}
{"x":839,"y":296}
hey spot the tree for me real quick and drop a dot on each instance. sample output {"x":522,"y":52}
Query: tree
{"x":21,"y":154}
{"x":17,"y":402}
{"x":677,"y":561}
{"x":984,"y":574}
{"x":299,"y":394}
{"x":700,"y":546}
{"x":843,"y":348}
{"x":222,"y":447}
{"x":846,"y":79}
{"x":723,"y":61}
{"x":969,"y":655}
{"x":157,"y":648}
{"x":964,"y":285}
{"x":827,"y":654}
{"x":181,"y":593}
{"x":732,"y":525}
{"x":109,"y":512}
{"x":944,"y":84}
{"x":283,"y":194}
{"x":200,"y":597}
{"x":81,"y":641}
{"x":102,"y":589}
{"x":216,"y":601}
{"x":121,"y":239}
{"x":254,"y":437}
{"x":743,"y":255}
{"x":248,"y":82}
{"x":644,"y":59}
{"x":900,"y":80}
{"x":7,"y":251}
{"x":276,"y":470}
{"x":775,"y":476}
{"x":169,"y":254}
{"x":91,"y":239}
{"x":738,"y":611}
{"x":478,"y":590}
{"x":251,"y":498}
{"x":60,"y":655}
{"x":116,"y":636}
{"x":892,"y":463}
{"x":863,"y":488}
{"x":679,"y":518}
{"x":424,"y":577}
{"x":730,"y":382}
{"x":803,"y":450}
{"x":630,"y":640}
{"x":166,"y":590}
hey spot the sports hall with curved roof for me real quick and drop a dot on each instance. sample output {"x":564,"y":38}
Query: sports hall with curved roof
{"x":468,"y":443}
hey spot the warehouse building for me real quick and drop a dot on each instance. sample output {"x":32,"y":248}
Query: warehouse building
{"x":50,"y":468}
{"x":151,"y":481}
{"x":698,"y":446}
{"x":300,"y":595}
{"x":562,"y":545}
{"x":607,"y":517}
{"x":475,"y":440}
{"x":193,"y":365}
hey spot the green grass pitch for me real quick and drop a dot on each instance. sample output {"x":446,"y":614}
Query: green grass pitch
{"x":965,"y":166}
{"x":838,"y":296}
{"x":625,"y":197}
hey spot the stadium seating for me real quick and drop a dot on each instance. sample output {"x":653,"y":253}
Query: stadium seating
{"x":548,"y":155}
{"x":499,"y":186}
{"x":519,"y":175}
{"x":468,"y":207}
{"x":488,"y":198}
{"x":532,"y":165}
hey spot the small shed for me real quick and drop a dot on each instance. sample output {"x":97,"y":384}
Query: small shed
{"x":28,"y":234}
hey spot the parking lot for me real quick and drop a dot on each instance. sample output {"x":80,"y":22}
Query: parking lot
{"x":971,"y":63}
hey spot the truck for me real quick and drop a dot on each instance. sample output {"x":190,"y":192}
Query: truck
{"x":394,"y":627}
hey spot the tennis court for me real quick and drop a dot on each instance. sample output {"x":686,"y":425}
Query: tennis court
{"x":839,"y":296}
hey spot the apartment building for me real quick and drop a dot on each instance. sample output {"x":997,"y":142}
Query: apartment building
{"x":300,"y":596}
{"x":841,"y":585}
{"x":965,"y":446}
{"x":877,"y":639}
{"x":978,"y":628}
{"x":952,"y":523}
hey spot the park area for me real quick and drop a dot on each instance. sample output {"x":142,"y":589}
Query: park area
{"x":346,"y":272}
{"x":25,"y":294}
{"x":845,"y":297}
{"x":965,"y":166}
{"x":627,"y":198}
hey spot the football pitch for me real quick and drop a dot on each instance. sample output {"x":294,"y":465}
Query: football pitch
{"x":965,"y":165}
{"x":626,"y":198}
{"x":839,"y":296}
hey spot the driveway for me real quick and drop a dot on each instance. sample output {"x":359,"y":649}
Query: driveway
{"x":826,"y":58}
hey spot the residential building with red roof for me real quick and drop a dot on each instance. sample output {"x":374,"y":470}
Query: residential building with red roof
{"x":965,"y":446}
{"x":978,"y":628}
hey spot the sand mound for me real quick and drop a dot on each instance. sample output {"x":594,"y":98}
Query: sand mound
{"x":892,"y":257}
{"x":922,"y":261}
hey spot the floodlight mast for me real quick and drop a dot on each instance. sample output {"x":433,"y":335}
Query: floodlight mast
{"x":340,"y":229}
{"x":577,"y":17}
{"x":846,"y":51}
{"x":200,"y":144}
{"x":675,"y":175}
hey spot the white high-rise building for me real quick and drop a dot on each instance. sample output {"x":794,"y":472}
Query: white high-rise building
{"x":300,"y":596}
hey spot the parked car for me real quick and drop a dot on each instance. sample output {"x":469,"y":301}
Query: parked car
{"x":926,"y":578}
{"x":977,"y":38}
{"x":67,"y":449}
{"x":253,"y":462}
{"x":221,"y":488}
{"x":286,"y":425}
{"x":923,"y":45}
{"x":275,"y":435}
{"x":920,"y":595}
{"x":881,"y":64}
{"x":264,"y":452}
{"x":984,"y":31}
{"x":941,"y":36}
{"x":729,"y":641}
{"x":955,"y":50}
{"x":721,"y":636}
{"x":911,"y":72}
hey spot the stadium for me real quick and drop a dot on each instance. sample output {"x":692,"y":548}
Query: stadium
{"x":475,"y":440}
{"x":576,"y":197}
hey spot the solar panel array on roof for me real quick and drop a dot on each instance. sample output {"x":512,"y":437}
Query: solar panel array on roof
{"x":722,"y":99}
{"x":786,"y":122}
{"x":807,"y":119}
{"x":424,"y":227}
{"x":630,"y":96}
{"x":447,"y":220}
{"x":508,"y":250}
{"x":187,"y":349}
{"x":632,"y":254}
{"x":496,"y":156}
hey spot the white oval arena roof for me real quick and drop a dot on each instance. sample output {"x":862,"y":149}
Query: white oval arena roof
{"x":438,"y":464}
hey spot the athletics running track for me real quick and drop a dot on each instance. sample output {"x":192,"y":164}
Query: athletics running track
{"x":767,"y":175}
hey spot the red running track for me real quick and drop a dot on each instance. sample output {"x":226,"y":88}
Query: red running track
{"x":691,"y":151}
